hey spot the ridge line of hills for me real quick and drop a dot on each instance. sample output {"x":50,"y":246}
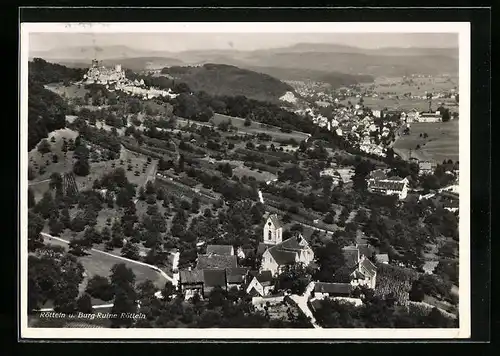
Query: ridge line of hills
{"x":309,"y":56}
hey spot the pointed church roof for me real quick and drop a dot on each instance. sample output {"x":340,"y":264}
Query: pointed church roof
{"x":275,"y":220}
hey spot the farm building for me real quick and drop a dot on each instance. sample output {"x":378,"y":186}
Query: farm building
{"x":379,"y":183}
{"x":260,"y":283}
{"x":217,"y":268}
{"x":426,"y":167}
{"x":430,"y":117}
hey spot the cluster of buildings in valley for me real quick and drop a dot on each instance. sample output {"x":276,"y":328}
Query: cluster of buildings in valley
{"x":218,"y":266}
{"x":115,"y":79}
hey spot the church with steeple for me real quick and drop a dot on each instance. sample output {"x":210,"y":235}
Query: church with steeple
{"x":277,"y":253}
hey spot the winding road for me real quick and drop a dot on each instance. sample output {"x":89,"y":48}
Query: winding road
{"x":301,"y":301}
{"x":163,"y":274}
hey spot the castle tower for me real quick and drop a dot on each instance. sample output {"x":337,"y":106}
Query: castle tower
{"x":118,"y":68}
{"x":95,"y":63}
{"x":273,"y":230}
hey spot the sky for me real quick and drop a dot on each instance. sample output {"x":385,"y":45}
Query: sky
{"x":177,"y":42}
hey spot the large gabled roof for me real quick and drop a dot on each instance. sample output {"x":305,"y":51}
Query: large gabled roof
{"x":216,"y":262}
{"x":365,"y":249}
{"x":224,"y":250}
{"x":282,"y":257}
{"x":370,"y":268}
{"x":351,"y":256}
{"x":236,"y":275}
{"x":333,"y":288}
{"x":191,"y":277}
{"x":386,"y":185}
{"x":297,"y":242}
{"x":214,"y":278}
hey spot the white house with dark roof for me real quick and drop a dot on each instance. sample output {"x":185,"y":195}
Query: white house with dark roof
{"x":260,"y":283}
{"x":362,"y":271}
{"x":379,"y":183}
{"x":426,"y":167}
{"x":382,"y":258}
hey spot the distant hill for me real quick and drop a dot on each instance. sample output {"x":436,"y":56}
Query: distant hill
{"x":323,"y":57}
{"x":221,"y":79}
{"x":358,"y":63}
{"x":335,"y":79}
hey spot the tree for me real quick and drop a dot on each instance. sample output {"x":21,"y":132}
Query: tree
{"x":31,"y":173}
{"x":44,"y":147}
{"x":122,"y":305}
{"x":217,"y":298}
{"x":56,"y":181}
{"x":81,"y":167}
{"x":35,"y":226}
{"x":329,"y":218}
{"x":330,"y":258}
{"x":100,"y":288}
{"x":84,"y":304}
{"x":248,"y":122}
{"x":195,"y":205}
{"x":56,"y":226}
{"x":53,"y":275}
{"x":130,"y":250}
{"x":122,"y":276}
{"x":293,"y":278}
{"x":45,"y":206}
{"x":78,"y":246}
{"x":31,"y":198}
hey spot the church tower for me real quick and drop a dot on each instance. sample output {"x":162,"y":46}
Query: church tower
{"x":273,"y":230}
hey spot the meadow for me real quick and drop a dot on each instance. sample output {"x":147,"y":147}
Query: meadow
{"x":442,"y":141}
{"x":259,"y":128}
{"x":97,"y":263}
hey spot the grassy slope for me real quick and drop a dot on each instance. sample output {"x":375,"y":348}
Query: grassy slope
{"x":441,"y":144}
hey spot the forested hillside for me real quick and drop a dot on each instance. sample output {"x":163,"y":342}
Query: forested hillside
{"x":221,"y":79}
{"x":44,"y":72}
{"x":46,"y":110}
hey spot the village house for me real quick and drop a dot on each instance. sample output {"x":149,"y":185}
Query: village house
{"x":218,"y":267}
{"x":362,"y":271}
{"x":276,"y":253}
{"x":382,"y":258}
{"x":323,"y":290}
{"x":379,"y":183}
{"x":261,"y":283}
{"x":412,"y":116}
{"x":426,"y":167}
{"x":430,"y":117}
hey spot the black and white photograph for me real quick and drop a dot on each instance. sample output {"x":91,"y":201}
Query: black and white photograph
{"x":246,"y":180}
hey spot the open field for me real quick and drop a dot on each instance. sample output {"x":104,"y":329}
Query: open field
{"x":96,"y":263}
{"x":388,"y":88}
{"x":405,"y":104}
{"x":257,"y":128}
{"x":441,"y":143}
{"x":36,"y":159}
{"x":415,"y":86}
{"x":262,"y":176}
{"x":67,"y":91}
{"x":97,"y":169}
